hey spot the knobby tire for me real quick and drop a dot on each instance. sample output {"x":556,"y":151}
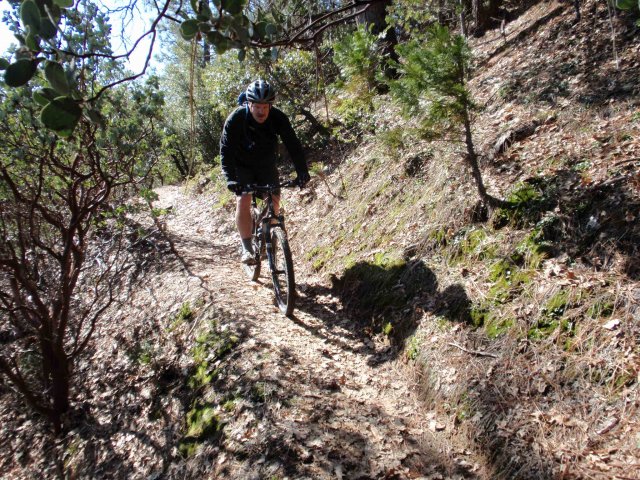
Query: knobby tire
{"x":281,"y":265}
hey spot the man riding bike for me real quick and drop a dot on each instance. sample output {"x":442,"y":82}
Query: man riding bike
{"x":248,"y":153}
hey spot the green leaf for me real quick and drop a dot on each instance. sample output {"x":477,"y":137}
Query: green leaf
{"x":242,"y":54}
{"x":47,"y":29}
{"x":43,"y":96}
{"x":39,"y":98}
{"x":4,"y":63}
{"x":63,"y":3}
{"x":31,"y":41}
{"x":61,"y":115}
{"x":215,"y":38}
{"x":260,"y":29}
{"x":270,"y":29}
{"x":234,"y":7}
{"x":55,"y":75}
{"x":625,"y":4}
{"x":20,"y":72}
{"x":204,"y":13}
{"x":189,"y":29}
{"x":95,"y":117}
{"x":30,"y":15}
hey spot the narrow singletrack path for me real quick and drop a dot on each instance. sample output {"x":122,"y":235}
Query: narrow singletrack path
{"x":321,"y":401}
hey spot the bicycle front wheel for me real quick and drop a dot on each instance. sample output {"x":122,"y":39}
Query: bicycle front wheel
{"x":281,"y":265}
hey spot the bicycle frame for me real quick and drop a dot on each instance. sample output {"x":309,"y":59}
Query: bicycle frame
{"x":268,"y":214}
{"x":270,"y":237}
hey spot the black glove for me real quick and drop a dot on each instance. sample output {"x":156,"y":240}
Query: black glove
{"x":303,"y":179}
{"x":235,"y":187}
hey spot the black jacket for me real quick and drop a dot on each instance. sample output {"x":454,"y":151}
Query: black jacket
{"x":248,"y":144}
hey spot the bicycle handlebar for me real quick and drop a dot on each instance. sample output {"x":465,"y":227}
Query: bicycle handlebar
{"x":268,"y":188}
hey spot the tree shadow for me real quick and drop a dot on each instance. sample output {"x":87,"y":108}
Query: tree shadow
{"x":595,"y":223}
{"x":305,"y":426}
{"x":390,"y":299}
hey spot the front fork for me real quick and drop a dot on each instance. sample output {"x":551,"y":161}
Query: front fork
{"x":266,"y":231}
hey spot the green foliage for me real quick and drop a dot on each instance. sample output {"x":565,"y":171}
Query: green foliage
{"x":358,"y":58}
{"x":72,"y":76}
{"x":526,"y":204}
{"x":58,"y":195}
{"x":432,"y":79}
{"x":20,"y":72}
{"x":211,"y":345}
{"x":61,"y":115}
{"x":201,"y":424}
{"x":412,"y":17}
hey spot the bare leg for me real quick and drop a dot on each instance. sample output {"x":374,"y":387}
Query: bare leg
{"x":276,"y":204}
{"x":243,"y":215}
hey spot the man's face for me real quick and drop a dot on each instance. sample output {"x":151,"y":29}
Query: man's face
{"x":259,"y":111}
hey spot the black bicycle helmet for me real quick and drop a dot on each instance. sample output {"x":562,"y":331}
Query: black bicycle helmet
{"x":260,"y":92}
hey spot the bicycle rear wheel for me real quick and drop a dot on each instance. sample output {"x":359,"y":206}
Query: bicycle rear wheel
{"x":281,"y":265}
{"x":253,"y":271}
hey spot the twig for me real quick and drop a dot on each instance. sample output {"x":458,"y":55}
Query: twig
{"x":473,"y":352}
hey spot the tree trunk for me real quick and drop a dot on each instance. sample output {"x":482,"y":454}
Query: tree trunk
{"x":484,"y":13}
{"x":472,"y":158}
{"x":55,"y":369}
{"x":375,"y":18}
{"x":463,"y":19}
{"x":315,"y":124}
{"x":489,"y":201}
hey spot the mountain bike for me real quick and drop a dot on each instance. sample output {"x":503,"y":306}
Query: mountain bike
{"x":269,"y":240}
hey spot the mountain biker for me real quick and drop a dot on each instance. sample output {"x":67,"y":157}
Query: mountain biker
{"x":248,"y":153}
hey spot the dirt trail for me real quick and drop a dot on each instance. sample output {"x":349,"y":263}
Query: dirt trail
{"x":320,"y":401}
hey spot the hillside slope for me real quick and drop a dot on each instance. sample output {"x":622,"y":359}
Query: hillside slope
{"x":429,"y":340}
{"x":523,"y":329}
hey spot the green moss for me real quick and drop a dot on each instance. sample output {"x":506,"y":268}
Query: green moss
{"x":542,"y":329}
{"x":201,"y":424}
{"x":185,"y":314}
{"x":507,"y":279}
{"x":210,"y":346}
{"x":497,"y":327}
{"x":556,"y":305}
{"x":387,"y":328}
{"x":551,"y":317}
{"x":601,"y":309}
{"x":145,"y":353}
{"x":413,"y":348}
{"x":479,"y":316}
{"x":258,"y":392}
{"x":526,"y":204}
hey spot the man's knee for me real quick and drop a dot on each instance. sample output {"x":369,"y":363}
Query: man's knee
{"x":243,"y":201}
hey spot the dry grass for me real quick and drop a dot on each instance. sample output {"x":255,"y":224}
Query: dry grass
{"x":561,"y":399}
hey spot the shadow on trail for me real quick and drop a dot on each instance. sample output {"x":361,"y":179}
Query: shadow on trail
{"x":389,"y":298}
{"x":289,"y":420}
